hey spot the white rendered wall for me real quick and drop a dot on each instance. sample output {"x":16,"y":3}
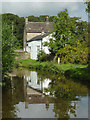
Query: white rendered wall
{"x":33,"y":51}
{"x":34,"y":81}
{"x":34,"y":44}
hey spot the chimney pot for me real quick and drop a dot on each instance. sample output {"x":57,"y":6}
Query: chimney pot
{"x":42,"y":31}
{"x":47,"y":19}
{"x":26,"y":20}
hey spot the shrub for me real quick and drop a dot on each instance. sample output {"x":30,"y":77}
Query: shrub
{"x":42,"y":56}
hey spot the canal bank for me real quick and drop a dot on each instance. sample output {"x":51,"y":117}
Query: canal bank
{"x":79,"y":72}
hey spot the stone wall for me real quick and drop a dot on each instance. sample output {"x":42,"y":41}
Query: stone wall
{"x":20,"y":54}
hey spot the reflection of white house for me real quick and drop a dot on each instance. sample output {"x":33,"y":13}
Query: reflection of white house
{"x":35,"y":82}
{"x":35,"y":33}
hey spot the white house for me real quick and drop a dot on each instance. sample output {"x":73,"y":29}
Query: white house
{"x":35,"y":33}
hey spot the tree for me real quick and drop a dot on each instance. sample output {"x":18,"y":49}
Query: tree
{"x":52,"y":18}
{"x":9,"y":44}
{"x":87,"y":2}
{"x":77,"y":52}
{"x":64,"y":91}
{"x":72,"y":54}
{"x":43,"y":18}
{"x":64,"y":31}
{"x":33,"y":19}
{"x":18,"y":25}
{"x":66,"y":53}
{"x":68,"y":32}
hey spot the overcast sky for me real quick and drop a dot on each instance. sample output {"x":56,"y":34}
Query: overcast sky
{"x":37,"y":7}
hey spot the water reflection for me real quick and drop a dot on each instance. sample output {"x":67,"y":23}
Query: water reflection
{"x":36,"y":82}
{"x":35,"y":95}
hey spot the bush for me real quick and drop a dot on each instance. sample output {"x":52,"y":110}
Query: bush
{"x":42,"y":56}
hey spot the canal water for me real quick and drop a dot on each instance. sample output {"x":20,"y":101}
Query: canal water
{"x":36,"y":94}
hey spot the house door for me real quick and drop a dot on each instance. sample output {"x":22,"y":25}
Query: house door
{"x":33,"y":52}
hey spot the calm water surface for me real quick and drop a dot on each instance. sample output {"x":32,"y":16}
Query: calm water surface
{"x":42,"y":95}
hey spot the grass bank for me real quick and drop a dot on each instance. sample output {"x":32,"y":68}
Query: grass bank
{"x":74,"y":71}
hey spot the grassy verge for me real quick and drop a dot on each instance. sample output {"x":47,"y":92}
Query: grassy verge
{"x":69,"y":70}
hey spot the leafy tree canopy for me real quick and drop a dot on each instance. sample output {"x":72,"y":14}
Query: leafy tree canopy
{"x":18,"y":25}
{"x":70,"y":33}
{"x":41,"y":18}
{"x":9,"y":44}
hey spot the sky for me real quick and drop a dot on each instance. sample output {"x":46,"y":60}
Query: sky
{"x":24,"y":8}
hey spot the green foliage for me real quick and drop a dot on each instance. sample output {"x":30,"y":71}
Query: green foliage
{"x":9,"y":44}
{"x":33,"y":19}
{"x":41,"y":18}
{"x":9,"y":100}
{"x":51,"y":67}
{"x":19,"y":22}
{"x":62,"y":88}
{"x":70,"y":54}
{"x":88,"y":6}
{"x":46,"y":66}
{"x":42,"y":56}
{"x":64,"y":28}
{"x":62,"y":91}
{"x":70,"y":39}
{"x":77,"y":73}
{"x":52,"y":18}
{"x":18,"y":25}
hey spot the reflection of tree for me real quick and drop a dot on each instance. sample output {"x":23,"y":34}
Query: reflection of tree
{"x":18,"y":95}
{"x":8,"y":108}
{"x":44,"y":74}
{"x":63,"y":107}
{"x":10,"y":99}
{"x":62,"y":92}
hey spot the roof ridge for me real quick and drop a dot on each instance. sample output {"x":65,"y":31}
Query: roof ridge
{"x":40,"y":22}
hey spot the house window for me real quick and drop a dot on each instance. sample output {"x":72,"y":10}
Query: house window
{"x":38,"y":48}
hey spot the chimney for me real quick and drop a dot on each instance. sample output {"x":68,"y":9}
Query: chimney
{"x":26,"y":20}
{"x":42,"y":31}
{"x":47,"y":19}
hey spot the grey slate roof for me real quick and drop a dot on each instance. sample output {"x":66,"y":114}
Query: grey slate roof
{"x":37,"y":27}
